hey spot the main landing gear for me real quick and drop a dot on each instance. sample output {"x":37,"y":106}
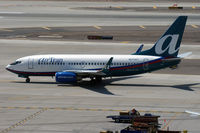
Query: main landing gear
{"x":96,"y":79}
{"x":28,"y":80}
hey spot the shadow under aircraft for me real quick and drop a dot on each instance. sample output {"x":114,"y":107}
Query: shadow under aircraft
{"x":186,"y":87}
{"x":101,"y":87}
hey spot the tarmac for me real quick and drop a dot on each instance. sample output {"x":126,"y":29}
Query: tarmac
{"x":44,"y":106}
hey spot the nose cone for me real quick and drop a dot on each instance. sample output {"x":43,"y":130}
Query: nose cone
{"x":8,"y":67}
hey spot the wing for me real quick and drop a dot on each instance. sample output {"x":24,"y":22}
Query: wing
{"x":102,"y":72}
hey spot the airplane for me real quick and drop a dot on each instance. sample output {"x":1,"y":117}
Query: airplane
{"x":73,"y":68}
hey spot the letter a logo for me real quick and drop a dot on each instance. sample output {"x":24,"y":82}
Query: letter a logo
{"x":171,"y":47}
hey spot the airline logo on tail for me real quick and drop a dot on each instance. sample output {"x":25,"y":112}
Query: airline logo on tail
{"x":171,"y":46}
{"x":169,"y":43}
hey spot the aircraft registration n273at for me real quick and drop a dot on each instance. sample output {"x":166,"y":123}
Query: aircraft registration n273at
{"x":73,"y":68}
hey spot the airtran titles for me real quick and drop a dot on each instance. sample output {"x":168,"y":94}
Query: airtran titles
{"x":50,"y":61}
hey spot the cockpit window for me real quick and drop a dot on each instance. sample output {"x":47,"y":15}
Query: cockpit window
{"x":15,"y":63}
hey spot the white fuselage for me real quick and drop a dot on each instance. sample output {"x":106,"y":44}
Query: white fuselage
{"x":57,"y":63}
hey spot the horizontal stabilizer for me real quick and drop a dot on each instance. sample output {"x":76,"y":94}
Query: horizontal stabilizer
{"x":184,"y":55}
{"x":192,"y":113}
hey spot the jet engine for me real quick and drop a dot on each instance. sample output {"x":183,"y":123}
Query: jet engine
{"x":66,"y":77}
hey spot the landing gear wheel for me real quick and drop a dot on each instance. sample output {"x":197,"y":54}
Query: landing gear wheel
{"x":98,"y":79}
{"x":27,"y":80}
{"x":117,"y":120}
{"x":92,"y":79}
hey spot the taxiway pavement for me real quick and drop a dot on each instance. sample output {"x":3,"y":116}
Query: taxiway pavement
{"x":51,"y":13}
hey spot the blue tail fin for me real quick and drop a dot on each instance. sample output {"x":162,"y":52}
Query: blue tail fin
{"x":169,"y":43}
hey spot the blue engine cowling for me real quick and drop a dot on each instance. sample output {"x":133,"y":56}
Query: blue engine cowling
{"x":66,"y":77}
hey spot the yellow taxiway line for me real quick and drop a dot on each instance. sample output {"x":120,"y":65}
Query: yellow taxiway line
{"x":193,"y":7}
{"x":2,"y":29}
{"x":170,"y":121}
{"x":22,"y":122}
{"x":194,"y":26}
{"x":97,"y":27}
{"x":47,"y":28}
{"x":141,"y":26}
{"x":119,"y":7}
{"x":88,"y":109}
{"x":154,"y":7}
{"x":125,"y":42}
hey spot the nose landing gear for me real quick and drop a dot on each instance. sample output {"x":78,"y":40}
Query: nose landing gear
{"x":25,"y":76}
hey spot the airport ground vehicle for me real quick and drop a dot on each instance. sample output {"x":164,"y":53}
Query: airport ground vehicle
{"x":124,"y":116}
{"x":118,"y":118}
{"x":147,"y":123}
{"x":127,"y":116}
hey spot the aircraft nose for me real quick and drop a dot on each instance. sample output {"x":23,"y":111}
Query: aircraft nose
{"x":8,"y":67}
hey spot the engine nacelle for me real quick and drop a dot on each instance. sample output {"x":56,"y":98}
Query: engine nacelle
{"x":66,"y":77}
